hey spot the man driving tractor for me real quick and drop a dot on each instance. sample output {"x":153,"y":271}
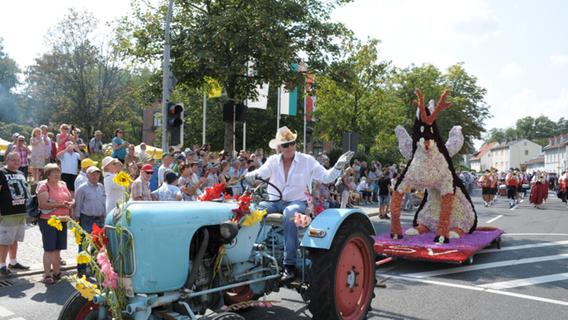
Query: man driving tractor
{"x":292,"y":172}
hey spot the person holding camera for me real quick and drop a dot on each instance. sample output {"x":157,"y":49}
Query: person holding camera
{"x":69,"y":159}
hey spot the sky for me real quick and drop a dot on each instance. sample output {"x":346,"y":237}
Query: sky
{"x":517,"y":49}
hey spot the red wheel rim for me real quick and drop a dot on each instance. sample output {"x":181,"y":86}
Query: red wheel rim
{"x":353,"y":279}
{"x":239,"y":294}
{"x":87,"y":311}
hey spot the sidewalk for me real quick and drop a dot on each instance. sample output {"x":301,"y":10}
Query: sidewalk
{"x":30,"y":252}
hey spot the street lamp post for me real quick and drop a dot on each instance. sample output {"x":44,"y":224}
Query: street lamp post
{"x":166,"y":79}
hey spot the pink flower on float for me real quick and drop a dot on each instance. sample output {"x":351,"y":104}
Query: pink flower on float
{"x":111,"y":278}
{"x":302,"y":220}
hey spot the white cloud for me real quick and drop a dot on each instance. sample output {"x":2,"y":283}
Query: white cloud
{"x":511,"y":71}
{"x":559,"y":60}
{"x":421,"y":31}
{"x":527,"y":103}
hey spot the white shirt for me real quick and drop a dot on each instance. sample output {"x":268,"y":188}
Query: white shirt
{"x":70,"y":162}
{"x":81,"y":178}
{"x":161,"y":171}
{"x":167,"y":192}
{"x":303,"y":170}
{"x":113,"y":191}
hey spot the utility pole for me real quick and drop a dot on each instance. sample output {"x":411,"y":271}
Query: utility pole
{"x":166,"y":79}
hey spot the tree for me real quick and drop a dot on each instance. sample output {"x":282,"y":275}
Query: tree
{"x":468,"y":110}
{"x":352,"y":97}
{"x":9,"y":106}
{"x":80,"y":82}
{"x":218,"y":39}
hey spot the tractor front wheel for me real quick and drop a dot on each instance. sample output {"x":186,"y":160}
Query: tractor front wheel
{"x":343,"y":277}
{"x":79,"y":308}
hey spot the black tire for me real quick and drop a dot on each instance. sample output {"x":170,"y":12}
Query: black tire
{"x":325,"y":265}
{"x":227,"y":316}
{"x":76,"y":307}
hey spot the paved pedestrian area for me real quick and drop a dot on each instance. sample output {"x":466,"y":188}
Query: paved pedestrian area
{"x":30,"y":252}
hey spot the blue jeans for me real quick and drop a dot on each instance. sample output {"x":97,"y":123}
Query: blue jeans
{"x":288,"y":208}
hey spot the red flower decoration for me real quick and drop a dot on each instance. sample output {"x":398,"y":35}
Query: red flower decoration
{"x":212,"y":193}
{"x":228,"y":197}
{"x":99,"y":238}
{"x":243,"y":206}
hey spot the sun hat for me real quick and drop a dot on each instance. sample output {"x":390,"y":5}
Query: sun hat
{"x":88,"y":162}
{"x":283,"y":135}
{"x":107,"y":160}
{"x":93,"y":169}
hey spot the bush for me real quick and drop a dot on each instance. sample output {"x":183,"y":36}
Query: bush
{"x":7,"y":129}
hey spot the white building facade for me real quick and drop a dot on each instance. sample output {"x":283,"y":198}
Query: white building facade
{"x":556,"y":154}
{"x":513,"y":154}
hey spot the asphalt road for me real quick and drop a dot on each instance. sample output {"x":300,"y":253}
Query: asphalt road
{"x":526,"y":279}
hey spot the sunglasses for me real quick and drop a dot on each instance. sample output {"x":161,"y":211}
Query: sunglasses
{"x":287,"y":144}
{"x":149,"y":172}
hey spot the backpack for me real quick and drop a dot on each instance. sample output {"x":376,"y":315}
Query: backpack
{"x":32,"y":207}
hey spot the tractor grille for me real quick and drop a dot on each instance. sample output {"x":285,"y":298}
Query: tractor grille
{"x":121,"y":250}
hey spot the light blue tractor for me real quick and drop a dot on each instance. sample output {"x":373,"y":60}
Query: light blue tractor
{"x":170,"y":251}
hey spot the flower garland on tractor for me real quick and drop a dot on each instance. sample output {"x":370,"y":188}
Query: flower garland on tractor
{"x":96,"y":256}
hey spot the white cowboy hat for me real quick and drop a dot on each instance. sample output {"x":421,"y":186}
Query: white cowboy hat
{"x":283,"y":135}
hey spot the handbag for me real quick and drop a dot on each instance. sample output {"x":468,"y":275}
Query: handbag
{"x":44,"y":211}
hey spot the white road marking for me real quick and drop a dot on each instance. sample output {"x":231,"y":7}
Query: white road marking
{"x":526,"y":282}
{"x":497,"y":217}
{"x":526,"y":246}
{"x":19,"y":318}
{"x":476,"y":288}
{"x":5,"y":312}
{"x":534,"y":234}
{"x":507,"y":263}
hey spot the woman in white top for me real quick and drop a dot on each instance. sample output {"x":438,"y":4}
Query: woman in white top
{"x":111,"y":166}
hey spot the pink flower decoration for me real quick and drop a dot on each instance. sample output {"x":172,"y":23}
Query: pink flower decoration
{"x":302,"y":220}
{"x":111,"y":278}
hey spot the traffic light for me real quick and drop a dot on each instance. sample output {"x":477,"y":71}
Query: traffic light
{"x":175,"y":123}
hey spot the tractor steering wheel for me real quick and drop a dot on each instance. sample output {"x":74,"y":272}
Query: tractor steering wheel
{"x":260,"y":191}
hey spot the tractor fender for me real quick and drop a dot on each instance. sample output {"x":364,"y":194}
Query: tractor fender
{"x":329,"y":221}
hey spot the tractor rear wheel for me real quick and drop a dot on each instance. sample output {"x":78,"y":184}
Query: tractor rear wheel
{"x":343,"y":277}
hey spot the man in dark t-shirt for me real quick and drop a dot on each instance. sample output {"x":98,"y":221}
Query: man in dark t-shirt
{"x":14,"y":195}
{"x":384,"y":194}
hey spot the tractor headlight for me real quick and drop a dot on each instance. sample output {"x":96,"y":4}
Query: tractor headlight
{"x":229,"y":231}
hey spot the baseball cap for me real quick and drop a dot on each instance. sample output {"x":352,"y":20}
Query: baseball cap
{"x":165,"y":154}
{"x":92,"y":169}
{"x":147,"y":168}
{"x":88,"y":162}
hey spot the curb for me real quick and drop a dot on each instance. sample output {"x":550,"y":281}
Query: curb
{"x":38,"y":269}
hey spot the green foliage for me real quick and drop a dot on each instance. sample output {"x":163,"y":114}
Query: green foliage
{"x":9,"y":102}
{"x":537,"y":130}
{"x":79,"y":81}
{"x":8,"y":129}
{"x":218,"y":39}
{"x":468,"y":110}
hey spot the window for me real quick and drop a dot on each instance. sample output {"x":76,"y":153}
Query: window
{"x":526,"y":152}
{"x":157,"y":119}
{"x":525,"y":143}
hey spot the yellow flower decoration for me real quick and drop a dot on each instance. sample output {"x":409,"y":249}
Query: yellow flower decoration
{"x":122,"y":179}
{"x":83,"y":258}
{"x":55,"y":222}
{"x":86,"y":289}
{"x":78,"y":236}
{"x":253,"y":218}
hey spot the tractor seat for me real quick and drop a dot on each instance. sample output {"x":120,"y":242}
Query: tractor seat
{"x":275,"y":218}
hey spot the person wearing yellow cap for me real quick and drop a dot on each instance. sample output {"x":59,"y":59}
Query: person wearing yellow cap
{"x":82,"y":177}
